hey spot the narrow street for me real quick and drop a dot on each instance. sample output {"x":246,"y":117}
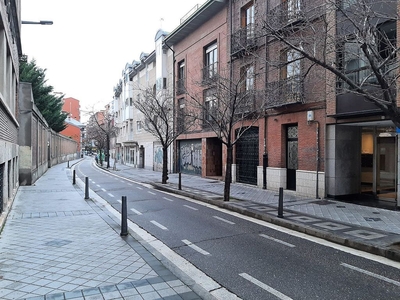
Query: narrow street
{"x":250,"y":258}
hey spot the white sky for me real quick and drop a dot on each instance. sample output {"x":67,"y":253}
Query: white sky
{"x":90,"y":41}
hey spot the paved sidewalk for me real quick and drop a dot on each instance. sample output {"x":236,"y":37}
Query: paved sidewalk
{"x":365,"y":228}
{"x":56,"y":245}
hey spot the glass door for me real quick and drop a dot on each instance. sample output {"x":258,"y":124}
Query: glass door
{"x":386,"y":167}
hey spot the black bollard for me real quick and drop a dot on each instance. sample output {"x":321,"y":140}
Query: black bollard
{"x":86,"y":187}
{"x":124,"y":218}
{"x":180,"y":181}
{"x":68,"y":165}
{"x":280,"y":204}
{"x":73,"y":177}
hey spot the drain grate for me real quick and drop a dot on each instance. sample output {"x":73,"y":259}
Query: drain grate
{"x":369,"y":219}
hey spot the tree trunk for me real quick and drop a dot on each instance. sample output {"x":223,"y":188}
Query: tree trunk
{"x":228,"y":172}
{"x":165,"y":166}
{"x":108,"y":152}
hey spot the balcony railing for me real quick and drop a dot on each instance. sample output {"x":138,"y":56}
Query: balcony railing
{"x":244,"y":39}
{"x":180,"y":86}
{"x":210,"y":73}
{"x":246,"y":102}
{"x":285,"y":92}
{"x":288,"y":12}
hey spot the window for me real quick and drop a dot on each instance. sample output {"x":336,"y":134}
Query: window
{"x":181,"y":78}
{"x":290,"y":85}
{"x":181,"y":115}
{"x":210,"y":105}
{"x":247,"y":75}
{"x":293,"y":9}
{"x":248,"y":19}
{"x":211,"y":61}
{"x":138,"y":125}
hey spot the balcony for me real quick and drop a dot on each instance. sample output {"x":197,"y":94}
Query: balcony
{"x":210,"y":73}
{"x":243,"y":40}
{"x":246,"y":103}
{"x":285,"y":92}
{"x":288,"y":12}
{"x":180,"y":86}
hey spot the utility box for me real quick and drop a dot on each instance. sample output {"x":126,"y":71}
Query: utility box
{"x":310,"y":116}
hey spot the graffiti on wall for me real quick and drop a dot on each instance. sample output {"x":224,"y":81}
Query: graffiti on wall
{"x":190,"y":157}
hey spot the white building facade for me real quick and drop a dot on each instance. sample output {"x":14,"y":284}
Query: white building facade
{"x":134,"y":146}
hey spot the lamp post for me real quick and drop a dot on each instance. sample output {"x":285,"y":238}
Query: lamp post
{"x":37,"y":23}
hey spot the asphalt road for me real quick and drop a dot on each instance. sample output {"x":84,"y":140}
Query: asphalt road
{"x":250,"y":258}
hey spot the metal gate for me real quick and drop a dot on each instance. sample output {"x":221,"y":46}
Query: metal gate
{"x":292,"y":157}
{"x":1,"y":186}
{"x":247,"y":157}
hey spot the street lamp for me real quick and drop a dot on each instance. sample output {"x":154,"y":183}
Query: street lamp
{"x":38,"y":23}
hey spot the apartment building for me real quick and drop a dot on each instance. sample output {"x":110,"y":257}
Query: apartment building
{"x":10,"y":51}
{"x":134,"y":145}
{"x":200,"y":53}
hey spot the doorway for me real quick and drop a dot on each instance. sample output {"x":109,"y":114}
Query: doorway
{"x":379,"y":163}
{"x":291,"y":156}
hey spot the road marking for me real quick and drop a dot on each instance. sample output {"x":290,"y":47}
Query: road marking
{"x":119,"y":201}
{"x":191,"y":207}
{"x":265,"y":287}
{"x":151,"y":193}
{"x":104,"y":190}
{"x":223,"y":220}
{"x":97,"y":185}
{"x":93,"y":181}
{"x":276,"y":240}
{"x":159,"y":225}
{"x":138,"y":187}
{"x":194,"y":247}
{"x":111,"y":195}
{"x":165,"y":198}
{"x":136,"y":211}
{"x":371,"y":274}
{"x":130,"y":184}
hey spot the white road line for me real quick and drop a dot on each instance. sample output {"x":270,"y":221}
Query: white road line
{"x":136,"y":211}
{"x":151,"y":193}
{"x":93,"y":181}
{"x":223,"y":220}
{"x":191,"y":207}
{"x":111,"y":195}
{"x":97,"y":185}
{"x":371,"y":274}
{"x":159,"y":225}
{"x":138,"y":187}
{"x":194,"y":247}
{"x":130,"y":184}
{"x":170,"y":200}
{"x":104,"y":190}
{"x":276,"y":240}
{"x":265,"y":287}
{"x":119,"y":201}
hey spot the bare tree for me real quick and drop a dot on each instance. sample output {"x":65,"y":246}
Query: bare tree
{"x":228,"y":105}
{"x":354,"y":40}
{"x":157,"y":108}
{"x":101,"y":129}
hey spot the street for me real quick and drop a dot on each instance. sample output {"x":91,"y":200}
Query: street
{"x":250,"y":258}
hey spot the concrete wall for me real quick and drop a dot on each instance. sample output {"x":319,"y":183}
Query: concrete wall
{"x":40,"y":147}
{"x":343,"y":156}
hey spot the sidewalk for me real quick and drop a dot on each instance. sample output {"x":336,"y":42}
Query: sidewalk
{"x":56,"y":245}
{"x":364,"y":228}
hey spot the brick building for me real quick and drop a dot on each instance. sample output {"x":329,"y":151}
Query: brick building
{"x":10,"y":52}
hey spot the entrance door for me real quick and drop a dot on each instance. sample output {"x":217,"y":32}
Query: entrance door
{"x":291,"y":157}
{"x":386,"y":168}
{"x":247,"y":156}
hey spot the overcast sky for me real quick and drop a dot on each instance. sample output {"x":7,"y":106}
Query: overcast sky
{"x":87,"y":47}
